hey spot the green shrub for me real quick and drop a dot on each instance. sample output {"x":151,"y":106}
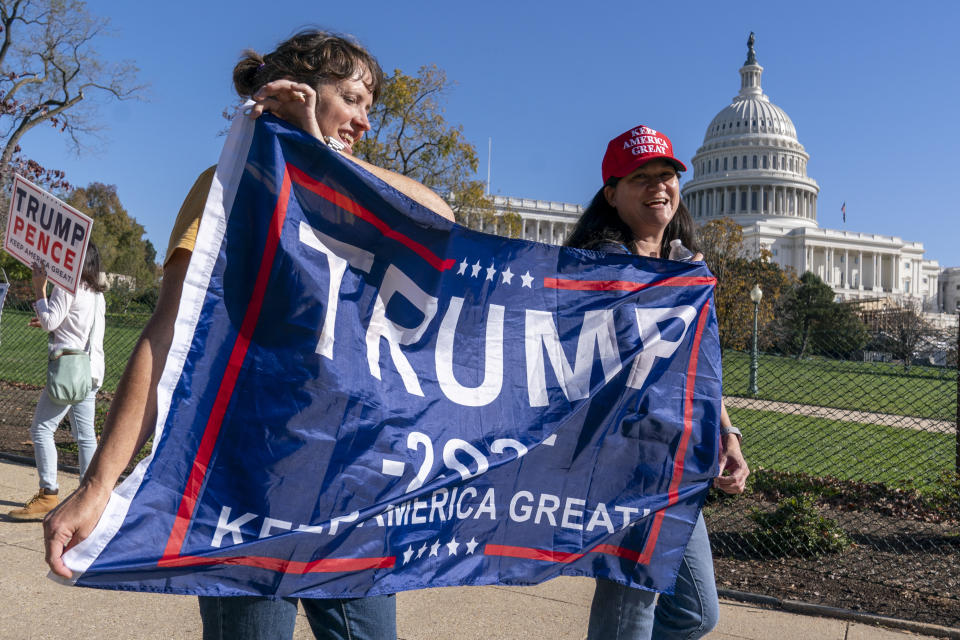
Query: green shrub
{"x":796,"y":527}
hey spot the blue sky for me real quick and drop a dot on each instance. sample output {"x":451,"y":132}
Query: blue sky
{"x":872,"y":88}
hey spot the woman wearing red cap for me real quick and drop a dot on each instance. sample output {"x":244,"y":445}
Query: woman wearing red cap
{"x":638,"y":210}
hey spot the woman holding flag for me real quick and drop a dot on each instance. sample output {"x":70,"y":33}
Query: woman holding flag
{"x":325,"y":84}
{"x":638,"y":210}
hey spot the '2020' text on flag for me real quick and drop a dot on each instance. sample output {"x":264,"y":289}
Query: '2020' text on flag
{"x":363,"y":398}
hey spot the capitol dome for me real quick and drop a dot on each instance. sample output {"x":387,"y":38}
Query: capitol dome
{"x":751,"y":115}
{"x":751,"y":166}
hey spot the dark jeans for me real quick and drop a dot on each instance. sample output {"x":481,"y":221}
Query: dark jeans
{"x":256,"y":618}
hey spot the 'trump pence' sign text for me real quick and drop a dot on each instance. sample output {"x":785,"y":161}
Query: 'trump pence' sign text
{"x":42,"y":228}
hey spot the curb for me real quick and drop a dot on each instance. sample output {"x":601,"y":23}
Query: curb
{"x":805,"y":608}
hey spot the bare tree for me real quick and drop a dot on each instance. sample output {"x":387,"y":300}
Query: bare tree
{"x":48,"y":67}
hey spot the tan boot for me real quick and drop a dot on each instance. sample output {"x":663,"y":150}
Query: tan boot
{"x":38,"y":506}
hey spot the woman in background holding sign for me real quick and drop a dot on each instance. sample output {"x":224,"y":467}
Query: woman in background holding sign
{"x":75,"y":322}
{"x":638,"y":210}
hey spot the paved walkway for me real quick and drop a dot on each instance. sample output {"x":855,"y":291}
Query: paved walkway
{"x":844,"y":415}
{"x":36,"y":607}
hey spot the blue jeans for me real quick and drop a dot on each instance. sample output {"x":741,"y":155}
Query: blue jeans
{"x":624,"y":613}
{"x":256,"y":618}
{"x":46,"y":419}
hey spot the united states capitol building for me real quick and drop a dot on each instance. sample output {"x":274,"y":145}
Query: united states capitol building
{"x":752,"y":169}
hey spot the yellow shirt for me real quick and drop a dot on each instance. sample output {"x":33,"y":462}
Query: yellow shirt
{"x":184,"y":234}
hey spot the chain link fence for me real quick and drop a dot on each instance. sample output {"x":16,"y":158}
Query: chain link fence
{"x":855,"y":489}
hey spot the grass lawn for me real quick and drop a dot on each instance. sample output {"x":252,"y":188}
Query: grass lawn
{"x":926,"y":392}
{"x":23,"y":349}
{"x":847,"y":450}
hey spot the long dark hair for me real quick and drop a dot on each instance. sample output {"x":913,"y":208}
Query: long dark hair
{"x":601,"y":225}
{"x":90,"y":275}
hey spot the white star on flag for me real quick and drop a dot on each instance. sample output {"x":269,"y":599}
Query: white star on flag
{"x":452,"y":547}
{"x":471,"y":546}
{"x":435,"y":549}
{"x":407,"y":555}
{"x":475,"y":269}
{"x":491,"y":272}
{"x":527,"y":280}
{"x":421,"y":550}
{"x":507,"y":275}
{"x":463,"y":267}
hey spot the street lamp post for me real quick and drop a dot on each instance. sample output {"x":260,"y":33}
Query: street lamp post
{"x":755,"y":294}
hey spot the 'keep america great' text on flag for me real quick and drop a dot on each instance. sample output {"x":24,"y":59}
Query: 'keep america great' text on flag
{"x":364,"y":398}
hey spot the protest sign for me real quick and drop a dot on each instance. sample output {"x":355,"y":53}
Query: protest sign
{"x":42,"y":228}
{"x":362,"y":397}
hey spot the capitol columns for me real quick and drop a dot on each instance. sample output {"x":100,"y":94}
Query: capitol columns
{"x":860,"y":270}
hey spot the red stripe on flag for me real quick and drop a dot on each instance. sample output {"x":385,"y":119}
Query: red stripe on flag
{"x":212,"y":430}
{"x":323,"y":565}
{"x":624,"y":285}
{"x":673,"y":494}
{"x":331,"y":195}
{"x":530,"y":553}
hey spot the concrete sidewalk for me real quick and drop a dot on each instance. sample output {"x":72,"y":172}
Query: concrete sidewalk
{"x":36,"y":607}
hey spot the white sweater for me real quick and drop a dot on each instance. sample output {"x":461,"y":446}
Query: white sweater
{"x":69,"y":317}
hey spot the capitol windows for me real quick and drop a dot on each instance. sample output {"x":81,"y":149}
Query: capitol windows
{"x":754,"y":162}
{"x":753,"y":201}
{"x":733,"y":207}
{"x":744,"y":162}
{"x":764,"y":162}
{"x":743,"y":201}
{"x":716,"y":164}
{"x":734,"y":162}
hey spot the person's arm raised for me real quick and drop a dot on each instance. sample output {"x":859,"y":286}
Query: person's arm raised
{"x":129,"y":423}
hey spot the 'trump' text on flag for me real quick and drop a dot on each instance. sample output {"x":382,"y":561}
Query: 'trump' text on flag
{"x":363,"y":398}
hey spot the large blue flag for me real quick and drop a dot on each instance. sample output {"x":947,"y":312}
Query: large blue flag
{"x":364,"y":398}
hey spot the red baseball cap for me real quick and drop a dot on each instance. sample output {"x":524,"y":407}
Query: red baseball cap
{"x":634,"y":148}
